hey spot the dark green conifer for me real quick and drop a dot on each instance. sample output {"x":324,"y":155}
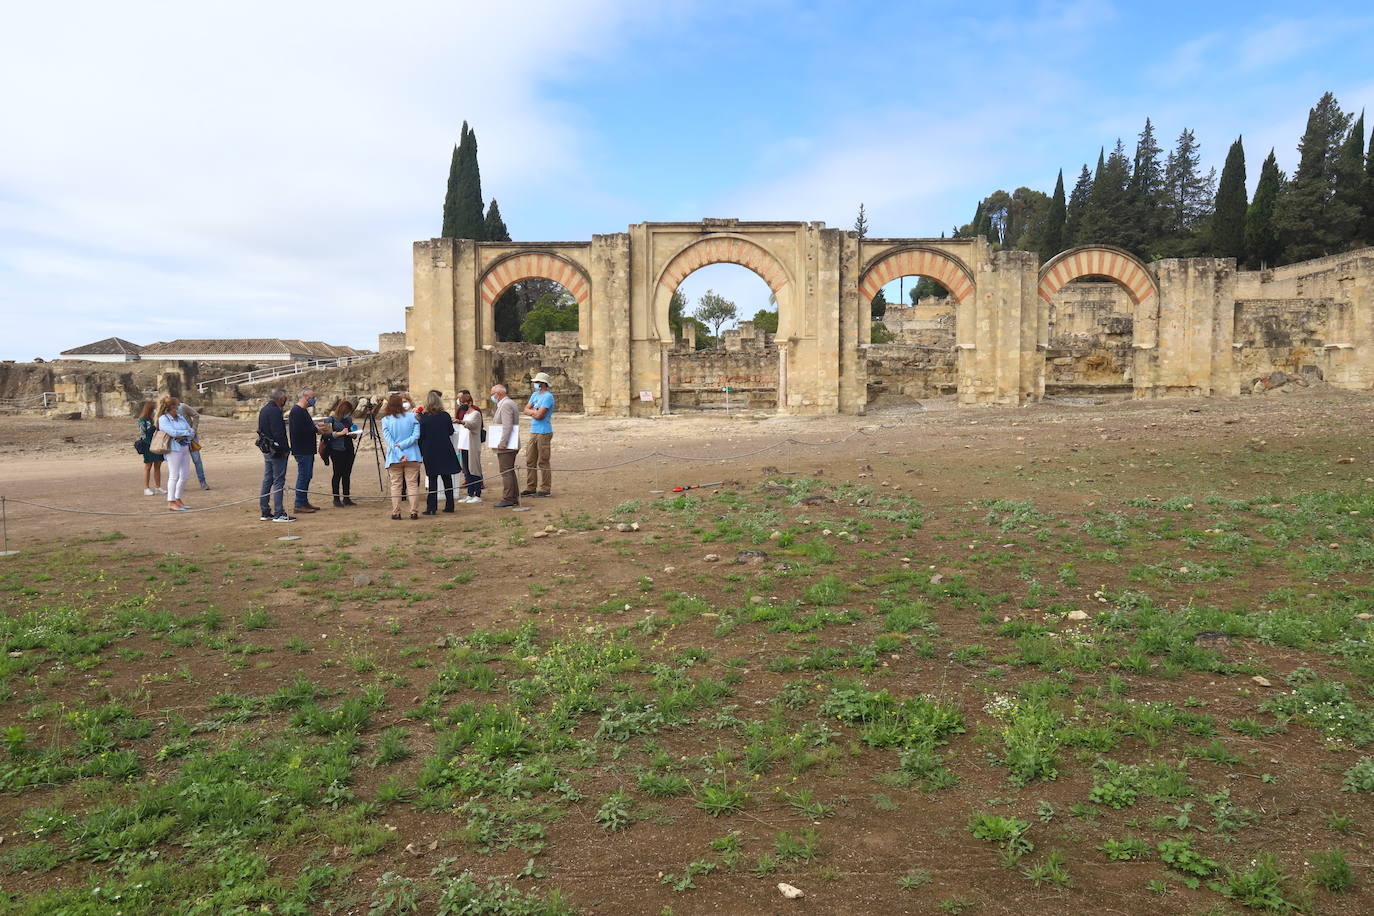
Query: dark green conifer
{"x":451,"y":195}
{"x":495,"y":226}
{"x":1262,"y":243}
{"x":1053,"y":240}
{"x":1228,"y":218}
{"x":470,"y":223}
{"x":1308,"y":223}
{"x":1347,"y":197}
{"x":1078,"y":202}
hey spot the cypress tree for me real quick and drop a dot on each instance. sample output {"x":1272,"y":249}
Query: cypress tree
{"x":1144,"y":221}
{"x":495,"y":227}
{"x":1053,"y":241}
{"x":1367,"y":234}
{"x":1090,"y":223}
{"x":1347,"y":198}
{"x":1228,"y":219}
{"x":1262,"y":244}
{"x":1304,"y":215}
{"x":878,"y":308}
{"x":451,"y":195}
{"x":469,"y":220}
{"x":1078,"y":202}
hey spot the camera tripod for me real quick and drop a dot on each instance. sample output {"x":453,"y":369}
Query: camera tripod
{"x":367,"y":413}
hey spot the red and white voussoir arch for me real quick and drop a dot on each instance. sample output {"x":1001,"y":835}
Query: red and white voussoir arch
{"x":532,"y":264}
{"x":1097,"y":261}
{"x":920,"y":262}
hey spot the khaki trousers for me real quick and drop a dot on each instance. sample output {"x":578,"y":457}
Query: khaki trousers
{"x":537,"y":463}
{"x":409,"y":474}
{"x":510,"y":486}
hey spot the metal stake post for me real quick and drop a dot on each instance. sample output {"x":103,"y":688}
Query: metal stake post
{"x":5,"y":531}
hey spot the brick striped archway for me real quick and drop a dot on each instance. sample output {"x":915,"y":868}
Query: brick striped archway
{"x":531,"y":264}
{"x":920,"y":262}
{"x":1097,"y":261}
{"x":725,"y":249}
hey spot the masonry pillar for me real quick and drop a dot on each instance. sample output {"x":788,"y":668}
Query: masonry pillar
{"x":606,"y":391}
{"x":1350,"y":346}
{"x":999,"y":331}
{"x":1195,"y":328}
{"x":433,"y":360}
{"x":838,"y":281}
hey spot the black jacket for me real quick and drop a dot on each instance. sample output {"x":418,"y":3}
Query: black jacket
{"x":304,"y":438}
{"x":271,"y":425}
{"x":436,"y":443}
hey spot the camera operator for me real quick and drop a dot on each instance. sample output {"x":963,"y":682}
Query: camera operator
{"x":276,"y":451}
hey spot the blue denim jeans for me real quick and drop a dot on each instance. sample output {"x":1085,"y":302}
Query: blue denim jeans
{"x":273,"y":485}
{"x":200,"y":467}
{"x":305,"y":470}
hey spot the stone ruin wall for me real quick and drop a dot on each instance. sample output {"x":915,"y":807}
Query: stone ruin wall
{"x":1313,"y":319}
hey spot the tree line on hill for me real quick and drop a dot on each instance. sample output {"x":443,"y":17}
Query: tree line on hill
{"x":530,"y":308}
{"x":1170,"y":208}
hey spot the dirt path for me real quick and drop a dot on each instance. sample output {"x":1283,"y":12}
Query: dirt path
{"x":944,"y":456}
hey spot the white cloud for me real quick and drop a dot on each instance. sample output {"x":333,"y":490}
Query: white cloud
{"x":261,"y":167}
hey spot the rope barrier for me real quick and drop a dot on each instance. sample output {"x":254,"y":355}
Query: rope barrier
{"x":861,"y":431}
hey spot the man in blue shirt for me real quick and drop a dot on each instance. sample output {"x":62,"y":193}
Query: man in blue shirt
{"x":538,"y":476}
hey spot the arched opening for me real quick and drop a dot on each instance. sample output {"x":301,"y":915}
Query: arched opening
{"x":725,"y":298}
{"x":526,"y":295}
{"x":550,"y":303}
{"x":746,"y":365}
{"x":726,"y":302}
{"x":1092,"y":298}
{"x":532,"y":310}
{"x":913,"y":296}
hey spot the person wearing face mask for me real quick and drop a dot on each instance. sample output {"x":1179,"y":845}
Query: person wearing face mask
{"x":469,"y":416}
{"x":304,"y":433}
{"x":401,"y":429}
{"x":507,"y":417}
{"x":538,"y":477}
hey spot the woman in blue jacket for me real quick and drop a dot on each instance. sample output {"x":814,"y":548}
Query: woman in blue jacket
{"x":182,"y":435}
{"x":401,"y":429}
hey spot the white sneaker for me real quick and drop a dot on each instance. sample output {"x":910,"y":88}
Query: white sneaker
{"x":147,"y":492}
{"x":159,"y":490}
{"x":473,"y":499}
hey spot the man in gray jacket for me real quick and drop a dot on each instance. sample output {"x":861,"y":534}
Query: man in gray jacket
{"x":507,"y":418}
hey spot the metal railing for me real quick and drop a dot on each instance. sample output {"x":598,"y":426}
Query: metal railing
{"x":40,"y":401}
{"x":284,"y":371}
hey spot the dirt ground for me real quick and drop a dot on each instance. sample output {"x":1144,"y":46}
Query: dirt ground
{"x":1069,"y":459}
{"x":940,"y":454}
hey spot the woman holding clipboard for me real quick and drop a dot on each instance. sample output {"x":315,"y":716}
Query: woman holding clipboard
{"x":468,"y":432}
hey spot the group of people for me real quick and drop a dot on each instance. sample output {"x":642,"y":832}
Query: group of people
{"x":414,"y":437}
{"x":169,"y":433}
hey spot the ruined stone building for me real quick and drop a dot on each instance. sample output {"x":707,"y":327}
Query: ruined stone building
{"x":1092,"y":319}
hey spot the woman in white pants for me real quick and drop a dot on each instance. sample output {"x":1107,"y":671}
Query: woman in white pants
{"x":179,"y":455}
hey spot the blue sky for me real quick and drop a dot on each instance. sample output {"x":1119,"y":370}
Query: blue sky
{"x":187,"y":170}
